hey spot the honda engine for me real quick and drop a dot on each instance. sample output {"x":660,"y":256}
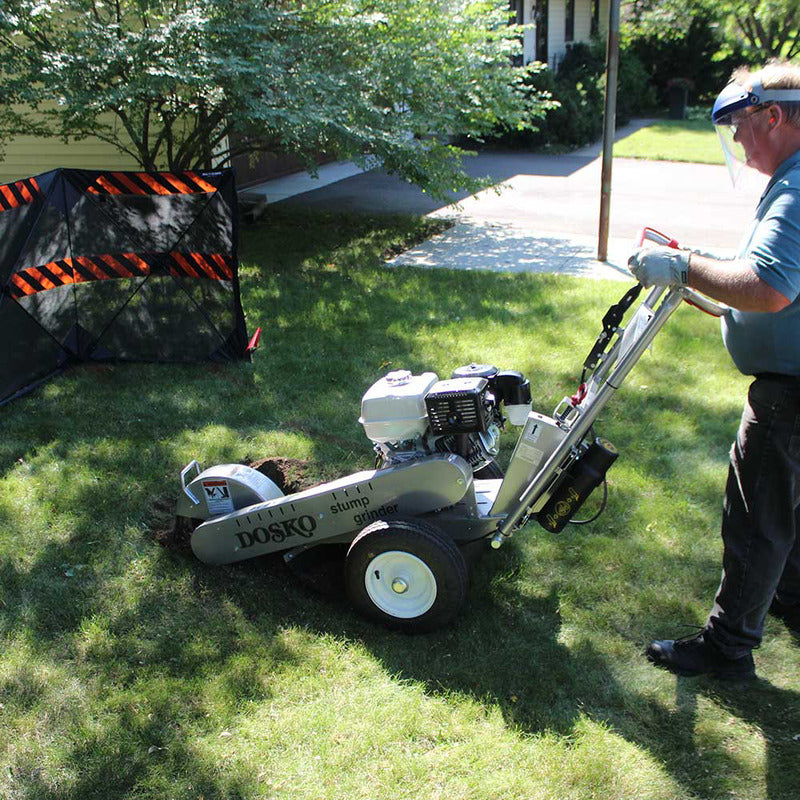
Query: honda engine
{"x":408,"y":416}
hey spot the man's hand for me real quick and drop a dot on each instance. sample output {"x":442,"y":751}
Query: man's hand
{"x":660,"y":266}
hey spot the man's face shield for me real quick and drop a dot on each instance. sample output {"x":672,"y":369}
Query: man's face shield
{"x":736,"y":137}
{"x":733,"y":114}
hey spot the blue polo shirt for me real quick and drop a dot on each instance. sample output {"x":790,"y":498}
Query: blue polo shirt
{"x":770,"y":341}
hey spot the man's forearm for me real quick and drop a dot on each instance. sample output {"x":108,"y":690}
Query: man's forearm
{"x":733,"y":283}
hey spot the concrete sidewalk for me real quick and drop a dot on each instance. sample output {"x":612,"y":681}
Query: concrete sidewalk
{"x":504,"y":247}
{"x":542,"y":214}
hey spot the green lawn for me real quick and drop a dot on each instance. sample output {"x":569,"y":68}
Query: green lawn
{"x":673,"y":140}
{"x":128,"y":670}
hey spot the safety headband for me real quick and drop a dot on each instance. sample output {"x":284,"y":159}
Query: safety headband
{"x":735,"y":97}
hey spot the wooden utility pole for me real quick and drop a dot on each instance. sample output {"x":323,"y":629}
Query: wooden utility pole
{"x":609,"y":125}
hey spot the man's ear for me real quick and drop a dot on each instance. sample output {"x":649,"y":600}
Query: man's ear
{"x":776,"y":116}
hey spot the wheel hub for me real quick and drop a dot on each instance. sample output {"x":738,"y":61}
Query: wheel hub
{"x":400,"y":584}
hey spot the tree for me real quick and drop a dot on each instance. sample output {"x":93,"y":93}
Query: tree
{"x":681,"y":39}
{"x":173,"y":82}
{"x":760,"y":29}
{"x":770,"y":28}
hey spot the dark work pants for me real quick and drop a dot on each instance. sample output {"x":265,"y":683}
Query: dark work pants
{"x":761,"y":516}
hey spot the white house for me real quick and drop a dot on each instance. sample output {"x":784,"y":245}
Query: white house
{"x":554,"y":24}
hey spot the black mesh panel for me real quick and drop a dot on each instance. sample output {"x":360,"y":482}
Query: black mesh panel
{"x":117,"y":265}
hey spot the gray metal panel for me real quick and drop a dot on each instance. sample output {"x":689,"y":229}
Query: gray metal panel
{"x":334,"y":508}
{"x":539,"y":438}
{"x":222,"y":489}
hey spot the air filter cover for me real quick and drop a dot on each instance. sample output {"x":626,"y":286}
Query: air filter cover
{"x":458,"y":405}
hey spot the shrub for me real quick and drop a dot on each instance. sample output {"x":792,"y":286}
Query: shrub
{"x":698,"y":55}
{"x":579,"y":88}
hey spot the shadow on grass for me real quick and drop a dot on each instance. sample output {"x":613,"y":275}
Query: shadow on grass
{"x":149,"y":633}
{"x":772,"y":711}
{"x":510,"y":650}
{"x":162,"y":649}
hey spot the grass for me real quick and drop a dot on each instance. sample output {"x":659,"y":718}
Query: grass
{"x":132,"y":671}
{"x":691,"y":140}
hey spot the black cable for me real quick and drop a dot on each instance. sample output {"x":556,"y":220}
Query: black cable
{"x":600,"y":510}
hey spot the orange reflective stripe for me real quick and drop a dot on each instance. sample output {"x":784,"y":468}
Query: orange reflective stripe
{"x":222,"y":264}
{"x":21,"y":285}
{"x":92,"y":267}
{"x":124,"y":272}
{"x":23,"y":190}
{"x":9,"y":195}
{"x":201,"y":262}
{"x":177,"y":183}
{"x":204,"y":185}
{"x":152,"y":183}
{"x":53,"y":267}
{"x":108,"y":186}
{"x":141,"y":263}
{"x":185,"y":264}
{"x":124,"y":179}
{"x":41,"y":278}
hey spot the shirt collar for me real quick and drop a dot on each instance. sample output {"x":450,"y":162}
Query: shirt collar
{"x":783,"y":168}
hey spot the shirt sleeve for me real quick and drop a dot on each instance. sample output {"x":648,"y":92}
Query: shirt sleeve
{"x":774,"y":251}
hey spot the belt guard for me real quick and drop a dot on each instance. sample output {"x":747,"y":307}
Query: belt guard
{"x":332,"y":509}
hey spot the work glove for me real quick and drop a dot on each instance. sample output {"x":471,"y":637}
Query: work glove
{"x":660,"y":266}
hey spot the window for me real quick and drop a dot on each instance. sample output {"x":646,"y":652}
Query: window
{"x":569,"y":22}
{"x":516,"y":9}
{"x":540,"y":19}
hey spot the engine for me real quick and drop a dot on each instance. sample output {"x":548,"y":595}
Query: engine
{"x":408,"y":416}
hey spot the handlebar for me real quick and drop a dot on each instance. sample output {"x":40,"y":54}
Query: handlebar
{"x":702,"y":302}
{"x":653,"y":235}
{"x":692,"y":297}
{"x":192,"y":465}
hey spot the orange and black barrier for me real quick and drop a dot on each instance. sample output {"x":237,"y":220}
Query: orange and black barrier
{"x":79,"y":246}
{"x":19,"y":193}
{"x":201,"y":265}
{"x":149,"y":183}
{"x":81,"y":269}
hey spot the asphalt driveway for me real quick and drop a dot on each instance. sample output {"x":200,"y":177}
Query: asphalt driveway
{"x":543,"y":212}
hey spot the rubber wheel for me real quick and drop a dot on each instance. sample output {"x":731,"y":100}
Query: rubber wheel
{"x":406,"y":575}
{"x":490,"y":470}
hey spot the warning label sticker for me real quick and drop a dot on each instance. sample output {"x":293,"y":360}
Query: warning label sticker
{"x":218,"y":496}
{"x":534,"y":433}
{"x":533,"y":455}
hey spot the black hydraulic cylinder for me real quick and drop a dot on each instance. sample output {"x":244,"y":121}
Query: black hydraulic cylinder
{"x":581,"y":479}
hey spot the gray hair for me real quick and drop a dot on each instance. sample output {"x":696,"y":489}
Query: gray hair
{"x":775,"y":74}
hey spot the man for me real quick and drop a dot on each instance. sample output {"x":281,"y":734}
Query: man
{"x":758,"y":115}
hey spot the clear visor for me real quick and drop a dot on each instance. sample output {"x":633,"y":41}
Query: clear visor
{"x":737,"y":139}
{"x":735,"y":157}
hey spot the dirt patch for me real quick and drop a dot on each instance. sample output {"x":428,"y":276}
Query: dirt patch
{"x":290,"y":475}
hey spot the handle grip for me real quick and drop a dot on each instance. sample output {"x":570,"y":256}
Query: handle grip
{"x":652,"y":235}
{"x":692,"y":297}
{"x":702,"y":302}
{"x":192,"y":465}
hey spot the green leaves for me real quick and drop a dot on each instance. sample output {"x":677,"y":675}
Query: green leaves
{"x":763,"y":29}
{"x":173,"y":81}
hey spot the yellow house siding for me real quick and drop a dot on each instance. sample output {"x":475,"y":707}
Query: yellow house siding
{"x":583,"y":20}
{"x":556,"y":46}
{"x":30,"y":155}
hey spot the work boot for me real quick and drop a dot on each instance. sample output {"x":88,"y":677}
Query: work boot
{"x":788,"y":612}
{"x":697,"y":655}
